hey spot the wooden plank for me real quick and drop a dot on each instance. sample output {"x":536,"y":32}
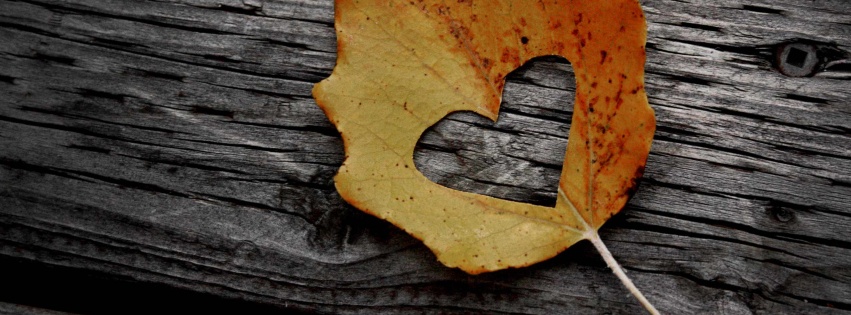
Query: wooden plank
{"x":176,"y":142}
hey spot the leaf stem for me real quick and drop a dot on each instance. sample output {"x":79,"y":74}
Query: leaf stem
{"x":616,"y":268}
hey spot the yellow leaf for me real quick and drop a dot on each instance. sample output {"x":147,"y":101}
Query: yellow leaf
{"x":404,"y":65}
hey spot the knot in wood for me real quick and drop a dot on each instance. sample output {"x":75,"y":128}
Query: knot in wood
{"x":781,"y":214}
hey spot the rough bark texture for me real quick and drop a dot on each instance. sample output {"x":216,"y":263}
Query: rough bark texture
{"x":175,"y":143}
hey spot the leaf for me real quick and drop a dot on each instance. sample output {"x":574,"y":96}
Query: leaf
{"x":404,"y":65}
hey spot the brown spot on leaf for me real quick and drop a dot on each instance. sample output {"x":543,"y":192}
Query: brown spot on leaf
{"x":632,"y":186}
{"x":638,"y":88}
{"x":487,"y":63}
{"x":509,"y":56}
{"x":555,"y":25}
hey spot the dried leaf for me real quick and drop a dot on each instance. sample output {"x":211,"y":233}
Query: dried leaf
{"x":404,"y":65}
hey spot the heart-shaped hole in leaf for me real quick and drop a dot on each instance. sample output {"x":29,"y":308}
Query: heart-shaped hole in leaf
{"x":519,"y":157}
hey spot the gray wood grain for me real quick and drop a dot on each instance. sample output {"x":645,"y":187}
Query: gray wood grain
{"x":16,"y":309}
{"x":177,"y":142}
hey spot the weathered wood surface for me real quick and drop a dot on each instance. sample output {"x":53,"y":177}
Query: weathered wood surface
{"x":176,"y":142}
